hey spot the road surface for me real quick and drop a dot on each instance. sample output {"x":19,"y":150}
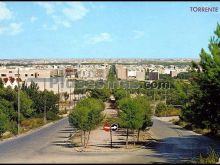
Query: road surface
{"x":50,"y":145}
{"x":177,"y":143}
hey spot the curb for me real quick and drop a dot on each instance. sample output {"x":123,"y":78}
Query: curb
{"x":30,"y":131}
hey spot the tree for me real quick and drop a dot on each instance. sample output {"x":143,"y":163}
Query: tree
{"x":51,"y":101}
{"x":146,"y":110}
{"x":184,"y":75}
{"x":7,"y":108}
{"x":131,"y":115}
{"x":178,"y":95}
{"x":161,"y":107}
{"x":40,"y":97}
{"x":86,"y":116}
{"x":203,"y":106}
{"x":120,"y":93}
{"x":26,"y":105}
{"x":102,"y":94}
{"x":112,"y":74}
{"x":11,"y":96}
{"x":3,"y":123}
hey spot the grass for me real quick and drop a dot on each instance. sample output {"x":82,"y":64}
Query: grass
{"x":63,"y":112}
{"x":189,"y":126}
{"x":6,"y":136}
{"x":32,"y":123}
{"x":211,"y":158}
{"x":27,"y":125}
{"x":169,"y":112}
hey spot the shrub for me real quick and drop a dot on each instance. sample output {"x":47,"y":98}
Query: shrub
{"x":63,"y":112}
{"x":163,"y":110}
{"x":3,"y":123}
{"x":161,"y":107}
{"x":52,"y":116}
{"x":13,"y":127}
{"x":32,"y":123}
{"x":211,"y":158}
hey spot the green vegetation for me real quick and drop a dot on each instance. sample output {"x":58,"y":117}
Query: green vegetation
{"x":31,"y":123}
{"x":162,"y":110}
{"x":184,"y":75}
{"x":211,"y":158}
{"x":134,"y":114}
{"x":31,"y":107}
{"x":86,"y":116}
{"x":202,"y":108}
{"x":112,"y":74}
{"x":165,"y":77}
{"x":102,"y":94}
{"x":120,"y":93}
{"x":3,"y":123}
{"x":39,"y":99}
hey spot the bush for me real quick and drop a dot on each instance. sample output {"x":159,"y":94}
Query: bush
{"x":63,"y":112}
{"x":3,"y":123}
{"x":13,"y":127}
{"x":164,"y":110}
{"x":52,"y":116}
{"x":32,"y":123}
{"x":211,"y":158}
{"x":161,"y":107}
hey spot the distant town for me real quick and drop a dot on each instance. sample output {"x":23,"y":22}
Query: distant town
{"x":88,"y":69}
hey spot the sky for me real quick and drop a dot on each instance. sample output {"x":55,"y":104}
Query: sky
{"x":30,"y":30}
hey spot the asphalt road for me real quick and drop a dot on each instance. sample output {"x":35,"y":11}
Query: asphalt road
{"x":49,"y":145}
{"x":177,"y":144}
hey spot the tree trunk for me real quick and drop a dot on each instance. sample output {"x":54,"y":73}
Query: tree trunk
{"x":87,"y":139}
{"x":139,"y":130}
{"x":127,"y":139}
{"x":81,"y":137}
{"x":214,"y":130}
{"x":84,"y":139}
{"x":134,"y":137}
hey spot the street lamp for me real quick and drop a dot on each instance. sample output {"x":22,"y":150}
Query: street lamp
{"x":45,"y":102}
{"x":18,"y":103}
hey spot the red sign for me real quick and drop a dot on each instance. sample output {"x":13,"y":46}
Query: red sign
{"x":106,"y":127}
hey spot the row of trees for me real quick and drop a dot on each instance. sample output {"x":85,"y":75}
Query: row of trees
{"x":32,"y":102}
{"x":134,"y":113}
{"x":86,"y":116}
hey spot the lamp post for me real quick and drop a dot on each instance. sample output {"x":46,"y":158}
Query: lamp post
{"x":70,"y":97}
{"x":58,"y":96}
{"x":45,"y":106}
{"x":19,"y":104}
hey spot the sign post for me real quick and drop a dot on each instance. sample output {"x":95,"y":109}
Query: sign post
{"x":110,"y":128}
{"x":111,"y":137}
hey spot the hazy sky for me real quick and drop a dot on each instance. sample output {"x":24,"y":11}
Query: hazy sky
{"x":105,"y":29}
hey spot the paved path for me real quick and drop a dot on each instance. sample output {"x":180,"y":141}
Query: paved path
{"x":178,"y":144}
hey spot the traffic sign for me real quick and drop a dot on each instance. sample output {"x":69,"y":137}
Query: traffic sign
{"x":106,"y":127}
{"x":114,"y":127}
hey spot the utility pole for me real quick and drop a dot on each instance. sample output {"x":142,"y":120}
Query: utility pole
{"x":58,"y":97}
{"x":19,"y":103}
{"x":45,"y":105}
{"x":70,"y":98}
